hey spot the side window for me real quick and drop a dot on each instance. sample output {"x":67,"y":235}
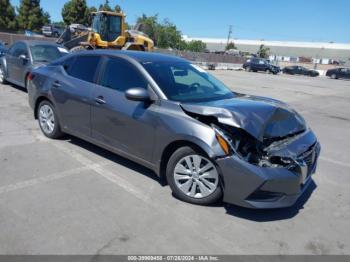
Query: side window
{"x":13,"y":49}
{"x":121,"y":75}
{"x":18,"y":49}
{"x":21,"y":49}
{"x":68,"y":64}
{"x":84,"y":67}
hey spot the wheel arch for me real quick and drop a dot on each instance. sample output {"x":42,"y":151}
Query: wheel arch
{"x":175,"y":145}
{"x":37,"y":103}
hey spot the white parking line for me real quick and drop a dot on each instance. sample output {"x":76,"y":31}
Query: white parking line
{"x":339,"y":163}
{"x":102,"y":172}
{"x":40,"y":180}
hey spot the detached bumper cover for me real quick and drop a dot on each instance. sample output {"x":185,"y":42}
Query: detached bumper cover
{"x":252,"y":186}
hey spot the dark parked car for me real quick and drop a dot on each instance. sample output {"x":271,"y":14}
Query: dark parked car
{"x":3,"y":48}
{"x":24,"y":56}
{"x":258,"y":64}
{"x":178,"y":120}
{"x":338,"y":73}
{"x":300,"y":70}
{"x":52,"y":31}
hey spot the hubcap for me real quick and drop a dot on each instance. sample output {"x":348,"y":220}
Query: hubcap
{"x":196,"y":176}
{"x":47,"y":119}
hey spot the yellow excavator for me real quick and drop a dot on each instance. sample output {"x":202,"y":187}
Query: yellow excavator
{"x":108,"y":31}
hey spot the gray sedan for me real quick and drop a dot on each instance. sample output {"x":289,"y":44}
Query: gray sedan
{"x":176,"y":119}
{"x":24,"y":56}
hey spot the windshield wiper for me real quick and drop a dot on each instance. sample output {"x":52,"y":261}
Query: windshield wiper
{"x":42,"y":60}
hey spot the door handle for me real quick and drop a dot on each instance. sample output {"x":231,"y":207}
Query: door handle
{"x":100,"y":100}
{"x":56,"y":84}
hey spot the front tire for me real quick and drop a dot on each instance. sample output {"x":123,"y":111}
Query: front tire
{"x":48,"y":120}
{"x":2,"y":76}
{"x":193,"y":177}
{"x":334,"y":76}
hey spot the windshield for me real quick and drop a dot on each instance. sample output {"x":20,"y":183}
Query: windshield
{"x":184,"y":82}
{"x":46,"y":53}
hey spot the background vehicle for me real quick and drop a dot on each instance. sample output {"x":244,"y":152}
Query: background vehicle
{"x":24,"y":56}
{"x":108,"y":32}
{"x":339,"y":73}
{"x":52,"y":31}
{"x":259,"y":64}
{"x":204,"y":139}
{"x":3,"y":48}
{"x":300,"y":70}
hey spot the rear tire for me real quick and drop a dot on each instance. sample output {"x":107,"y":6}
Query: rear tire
{"x":48,"y":120}
{"x":193,"y":177}
{"x":334,"y":76}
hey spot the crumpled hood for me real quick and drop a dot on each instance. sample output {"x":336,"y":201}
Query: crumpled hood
{"x":263,"y":118}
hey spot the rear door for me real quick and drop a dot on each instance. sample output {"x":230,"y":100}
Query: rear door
{"x":125,"y":125}
{"x":72,"y":89}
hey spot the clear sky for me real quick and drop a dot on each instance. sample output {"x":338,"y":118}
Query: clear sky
{"x":295,"y":20}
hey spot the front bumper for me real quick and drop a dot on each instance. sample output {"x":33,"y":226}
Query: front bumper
{"x":257,"y":187}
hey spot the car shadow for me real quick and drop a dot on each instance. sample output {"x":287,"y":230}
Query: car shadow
{"x":114,"y":158}
{"x":17,"y":87}
{"x":256,"y":215}
{"x":266,"y":215}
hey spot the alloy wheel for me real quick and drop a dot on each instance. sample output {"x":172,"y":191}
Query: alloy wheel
{"x":47,"y":119}
{"x":2,"y":75}
{"x":196,"y":176}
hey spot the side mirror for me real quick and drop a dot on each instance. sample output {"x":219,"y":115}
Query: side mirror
{"x":137,"y":94}
{"x":23,"y":57}
{"x":5,"y":43}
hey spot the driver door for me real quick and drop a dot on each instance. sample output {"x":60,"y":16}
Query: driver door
{"x":117,"y":122}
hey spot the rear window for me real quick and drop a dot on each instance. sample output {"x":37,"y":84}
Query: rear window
{"x":83,"y":67}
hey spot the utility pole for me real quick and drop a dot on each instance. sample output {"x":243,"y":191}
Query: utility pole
{"x":229,"y":34}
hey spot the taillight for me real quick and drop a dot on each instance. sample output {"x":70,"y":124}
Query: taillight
{"x":30,"y":76}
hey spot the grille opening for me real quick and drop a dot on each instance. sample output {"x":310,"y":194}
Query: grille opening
{"x":265,"y":196}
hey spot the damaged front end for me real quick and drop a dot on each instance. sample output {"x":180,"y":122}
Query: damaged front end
{"x":265,"y":164}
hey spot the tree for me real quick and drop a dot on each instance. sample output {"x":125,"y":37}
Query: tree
{"x":105,"y":6}
{"x":230,"y":46}
{"x":263,"y":52}
{"x":149,"y":25}
{"x":8,"y":21}
{"x":76,"y":12}
{"x":164,"y":35}
{"x":118,"y":9}
{"x":168,"y":36}
{"x":196,"y":46}
{"x":31,"y":16}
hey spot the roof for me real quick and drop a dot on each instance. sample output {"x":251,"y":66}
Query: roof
{"x":139,"y":56}
{"x":283,"y":48}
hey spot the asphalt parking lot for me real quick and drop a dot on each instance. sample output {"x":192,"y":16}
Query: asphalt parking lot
{"x":70,"y":197}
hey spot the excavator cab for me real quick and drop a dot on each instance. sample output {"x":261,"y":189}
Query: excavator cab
{"x":108,"y":25}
